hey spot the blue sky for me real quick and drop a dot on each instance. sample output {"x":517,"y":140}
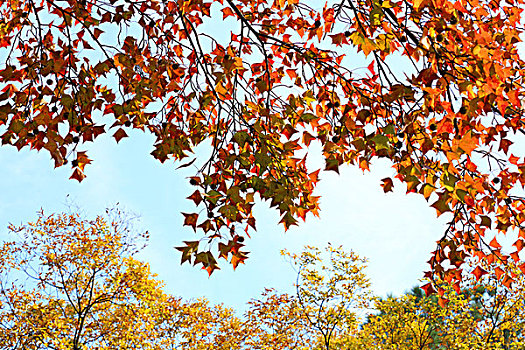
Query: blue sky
{"x":395,"y":231}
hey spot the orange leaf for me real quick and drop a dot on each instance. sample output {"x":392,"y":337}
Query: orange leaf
{"x":468,"y":143}
{"x":469,"y":200}
{"x":499,"y":272}
{"x":504,"y":145}
{"x":494,"y":243}
{"x":78,"y":175}
{"x":478,"y":272}
{"x":363,"y":164}
{"x":507,"y":281}
{"x":82,"y":160}
{"x":238,"y":258}
{"x":226,"y":12}
{"x":519,"y":244}
{"x":292,"y":73}
{"x":428,"y":288}
{"x":196,"y":197}
{"x":288,"y":131}
{"x":307,"y":138}
{"x":443,"y":302}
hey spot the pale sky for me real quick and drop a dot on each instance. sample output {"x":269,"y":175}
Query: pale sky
{"x":395,"y":231}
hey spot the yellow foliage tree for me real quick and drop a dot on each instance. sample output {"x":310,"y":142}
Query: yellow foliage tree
{"x":330,"y":290}
{"x":484,"y":314}
{"x":418,"y":322}
{"x":277,"y":323}
{"x":70,"y":283}
{"x":197,"y":325}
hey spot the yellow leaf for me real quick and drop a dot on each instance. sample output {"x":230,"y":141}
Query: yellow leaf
{"x":417,"y":4}
{"x":468,"y":143}
{"x":219,"y":88}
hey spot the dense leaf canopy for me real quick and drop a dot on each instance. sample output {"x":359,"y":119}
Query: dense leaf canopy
{"x":438,"y":93}
{"x":70,"y":283}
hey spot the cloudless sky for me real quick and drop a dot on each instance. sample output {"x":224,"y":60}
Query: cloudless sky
{"x":395,"y":231}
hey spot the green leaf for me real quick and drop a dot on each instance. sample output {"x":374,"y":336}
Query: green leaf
{"x":461,"y":194}
{"x":213,"y":196}
{"x":16,"y":126}
{"x":389,"y":130}
{"x":441,"y":205}
{"x":241,"y":137}
{"x":332,"y":164}
{"x":449,"y":181}
{"x":376,"y":15}
{"x":188,"y":251}
{"x":308,"y":117}
{"x":263,"y":160}
{"x":67,"y":101}
{"x":381,"y":141}
{"x":229,"y":211}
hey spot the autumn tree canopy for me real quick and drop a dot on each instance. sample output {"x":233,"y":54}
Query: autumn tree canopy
{"x":71,"y":283}
{"x":435,"y":86}
{"x":331,"y":288}
{"x":484,"y":315}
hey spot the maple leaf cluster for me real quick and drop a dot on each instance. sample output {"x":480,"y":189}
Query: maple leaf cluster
{"x":72,"y":70}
